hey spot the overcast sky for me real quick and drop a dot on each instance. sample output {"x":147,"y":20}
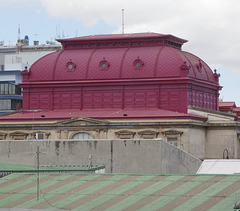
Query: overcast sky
{"x":210,"y":26}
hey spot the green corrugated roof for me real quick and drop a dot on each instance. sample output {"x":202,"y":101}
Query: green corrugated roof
{"x":16,"y":167}
{"x":120,"y":192}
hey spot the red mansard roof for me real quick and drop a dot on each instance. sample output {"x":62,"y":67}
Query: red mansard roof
{"x":147,"y":71}
{"x":159,"y":56}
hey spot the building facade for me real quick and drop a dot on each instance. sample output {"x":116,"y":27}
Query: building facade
{"x":129,"y":86}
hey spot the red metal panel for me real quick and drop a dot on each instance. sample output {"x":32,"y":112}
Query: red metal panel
{"x":105,"y":97}
{"x":45,"y":101}
{"x":152,"y":99}
{"x":112,"y":57}
{"x":43,"y":69}
{"x":163,"y":99}
{"x":78,"y":58}
{"x":117,"y":99}
{"x":169,"y":62}
{"x":87,"y":100}
{"x":34,"y":102}
{"x":66,"y":100}
{"x":138,"y":97}
{"x":97,"y":99}
{"x":76,"y":101}
{"x":147,"y":55}
{"x":57,"y":100}
{"x":26,"y":99}
{"x":173,"y":98}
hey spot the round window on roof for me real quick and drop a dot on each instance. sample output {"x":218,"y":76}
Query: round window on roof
{"x":138,"y":64}
{"x":104,"y":65}
{"x":70,"y":66}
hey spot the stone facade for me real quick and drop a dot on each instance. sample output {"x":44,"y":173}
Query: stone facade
{"x":202,"y":139}
{"x":118,"y":156}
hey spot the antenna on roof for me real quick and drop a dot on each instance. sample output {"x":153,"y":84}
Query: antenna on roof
{"x":122,"y":21}
{"x":18,"y":41}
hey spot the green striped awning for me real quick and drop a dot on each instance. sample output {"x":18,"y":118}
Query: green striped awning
{"x":119,"y":192}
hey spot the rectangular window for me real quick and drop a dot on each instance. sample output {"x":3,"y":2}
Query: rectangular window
{"x":1,"y":89}
{"x":11,"y":89}
{"x":5,"y":104}
{"x":6,"y":89}
{"x":173,"y":141}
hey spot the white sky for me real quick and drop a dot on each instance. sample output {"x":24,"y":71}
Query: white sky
{"x":211,"y":26}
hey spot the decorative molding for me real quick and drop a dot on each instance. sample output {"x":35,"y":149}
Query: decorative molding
{"x":81,"y":131}
{"x":216,"y":76}
{"x":83,"y":121}
{"x":18,"y":135}
{"x":122,"y":42}
{"x":3,"y":136}
{"x":125,"y":134}
{"x":185,"y":68}
{"x":25,"y":74}
{"x":172,"y":132}
{"x":148,"y":134}
{"x":199,"y":65}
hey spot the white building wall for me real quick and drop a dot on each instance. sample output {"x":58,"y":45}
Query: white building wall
{"x":18,"y":62}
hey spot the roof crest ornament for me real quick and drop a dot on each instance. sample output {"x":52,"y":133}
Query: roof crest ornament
{"x":216,"y":76}
{"x":185,"y":68}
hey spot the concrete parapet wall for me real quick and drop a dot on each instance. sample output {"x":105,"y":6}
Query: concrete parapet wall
{"x":119,"y":156}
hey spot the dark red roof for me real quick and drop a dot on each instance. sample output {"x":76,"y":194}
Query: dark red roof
{"x":145,"y":70}
{"x":159,"y":58}
{"x":99,"y":114}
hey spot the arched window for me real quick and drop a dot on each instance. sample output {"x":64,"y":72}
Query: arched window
{"x":82,"y":136}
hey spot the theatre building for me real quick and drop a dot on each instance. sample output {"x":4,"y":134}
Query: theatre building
{"x":127,"y":86}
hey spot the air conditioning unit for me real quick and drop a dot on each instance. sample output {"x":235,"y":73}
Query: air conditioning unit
{"x":40,"y":135}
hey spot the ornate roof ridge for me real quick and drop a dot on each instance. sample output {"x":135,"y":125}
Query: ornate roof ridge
{"x":122,"y":40}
